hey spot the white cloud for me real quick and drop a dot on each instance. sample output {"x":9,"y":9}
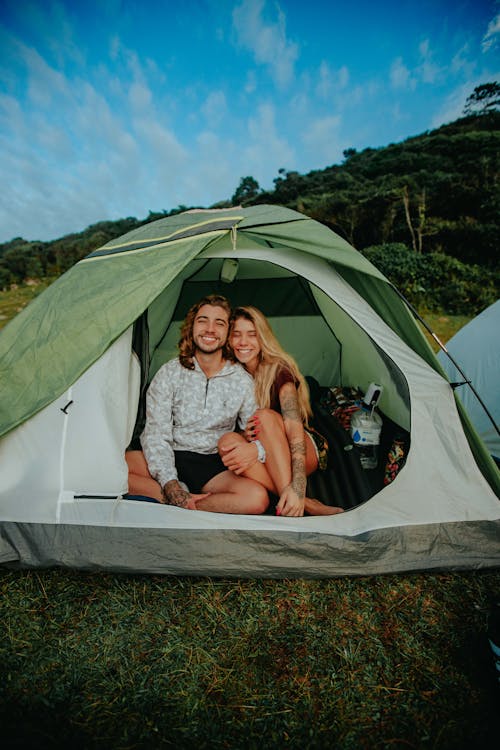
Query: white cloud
{"x":218,"y":174}
{"x":427,"y":71}
{"x":460,"y":62}
{"x":343,"y":77}
{"x":45,"y":83}
{"x":322,"y":140}
{"x":214,"y":107}
{"x":324,"y":86}
{"x":490,"y":39}
{"x":267,"y":41}
{"x":162,"y":143}
{"x":397,"y":114}
{"x":453,"y":105}
{"x":140,"y":96}
{"x":266,"y":151}
{"x":62,"y":44}
{"x":331,"y":82}
{"x":50,"y":22}
{"x":74,"y":154}
{"x":400,"y":75}
{"x":11,"y":114}
{"x":251,"y":82}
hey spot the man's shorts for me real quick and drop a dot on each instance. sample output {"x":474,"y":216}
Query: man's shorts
{"x":196,"y":469}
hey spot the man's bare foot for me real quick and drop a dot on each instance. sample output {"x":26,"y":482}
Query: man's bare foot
{"x":315,"y":508}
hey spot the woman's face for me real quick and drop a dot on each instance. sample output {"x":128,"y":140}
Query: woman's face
{"x":245,"y":343}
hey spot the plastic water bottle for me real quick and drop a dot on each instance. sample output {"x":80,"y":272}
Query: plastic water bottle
{"x":366,"y":426}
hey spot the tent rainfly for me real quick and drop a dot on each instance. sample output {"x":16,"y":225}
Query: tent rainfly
{"x":478,"y":356}
{"x":75,"y":364}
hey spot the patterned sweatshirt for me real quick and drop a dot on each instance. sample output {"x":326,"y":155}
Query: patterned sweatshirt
{"x":187,"y":411}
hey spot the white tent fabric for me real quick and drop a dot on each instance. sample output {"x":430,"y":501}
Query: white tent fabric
{"x":64,"y":475}
{"x":476,"y":349}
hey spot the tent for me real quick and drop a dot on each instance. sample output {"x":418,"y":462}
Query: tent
{"x":76,"y":362}
{"x":476,"y":349}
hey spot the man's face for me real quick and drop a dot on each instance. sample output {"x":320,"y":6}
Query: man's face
{"x":210,"y":329}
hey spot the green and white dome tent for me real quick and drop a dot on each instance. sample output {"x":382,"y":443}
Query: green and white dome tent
{"x":75,"y":363}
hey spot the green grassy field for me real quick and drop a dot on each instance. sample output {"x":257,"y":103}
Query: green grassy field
{"x":108,"y":661}
{"x":128,"y":662}
{"x":15,"y":299}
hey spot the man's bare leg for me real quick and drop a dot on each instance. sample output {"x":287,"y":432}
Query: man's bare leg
{"x":140,"y":481}
{"x":230,"y":493}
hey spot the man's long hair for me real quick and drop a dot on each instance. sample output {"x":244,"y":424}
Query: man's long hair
{"x":272,"y":358}
{"x":187,"y":346}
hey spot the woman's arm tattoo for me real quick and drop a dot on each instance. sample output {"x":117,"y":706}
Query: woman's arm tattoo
{"x":290,"y":407}
{"x":298,"y":454}
{"x":291,"y":414}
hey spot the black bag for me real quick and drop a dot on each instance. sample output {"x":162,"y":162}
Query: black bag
{"x":344,"y":482}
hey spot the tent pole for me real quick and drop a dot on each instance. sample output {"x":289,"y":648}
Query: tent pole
{"x":466,"y":380}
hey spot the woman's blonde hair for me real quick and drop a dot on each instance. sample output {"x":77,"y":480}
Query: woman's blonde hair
{"x":272,"y":358}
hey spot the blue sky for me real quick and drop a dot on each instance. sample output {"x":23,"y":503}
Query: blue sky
{"x":113,"y":108}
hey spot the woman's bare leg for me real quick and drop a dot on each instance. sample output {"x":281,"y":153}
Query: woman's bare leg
{"x":278,"y":461}
{"x":312,"y":506}
{"x":276,"y":473}
{"x":316,"y":508}
{"x":258,"y":471}
{"x":272,"y":435}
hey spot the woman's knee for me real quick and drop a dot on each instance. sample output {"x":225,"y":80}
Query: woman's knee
{"x":227,"y":440}
{"x":269,"y":419}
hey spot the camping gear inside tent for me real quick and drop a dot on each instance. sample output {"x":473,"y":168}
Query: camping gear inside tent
{"x":76,"y":363}
{"x":476,"y":349}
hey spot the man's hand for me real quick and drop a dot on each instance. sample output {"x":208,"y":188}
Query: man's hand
{"x":174,"y":494}
{"x":238,"y":456}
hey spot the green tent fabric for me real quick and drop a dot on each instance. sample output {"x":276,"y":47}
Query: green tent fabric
{"x":74,"y":366}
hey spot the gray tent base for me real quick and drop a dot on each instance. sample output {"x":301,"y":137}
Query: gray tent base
{"x":248,"y":554}
{"x":71,"y":380}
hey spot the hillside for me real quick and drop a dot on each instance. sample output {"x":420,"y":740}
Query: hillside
{"x":436,"y":192}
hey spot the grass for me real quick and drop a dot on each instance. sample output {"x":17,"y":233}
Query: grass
{"x":99,"y":661}
{"x":445,"y":326}
{"x":15,"y":299}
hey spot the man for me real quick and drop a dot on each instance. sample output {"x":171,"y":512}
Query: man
{"x":191,"y":402}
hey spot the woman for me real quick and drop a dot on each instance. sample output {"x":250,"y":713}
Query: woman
{"x":280,"y":427}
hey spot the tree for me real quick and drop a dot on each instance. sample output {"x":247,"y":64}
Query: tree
{"x":246,"y":190}
{"x":348,"y":152}
{"x":416,"y":233}
{"x":484,"y":98}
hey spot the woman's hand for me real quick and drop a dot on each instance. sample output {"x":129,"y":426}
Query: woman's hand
{"x":238,"y":456}
{"x":290,"y":503}
{"x":252,"y":428}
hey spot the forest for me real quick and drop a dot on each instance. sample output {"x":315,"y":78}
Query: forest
{"x":425,"y":211}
